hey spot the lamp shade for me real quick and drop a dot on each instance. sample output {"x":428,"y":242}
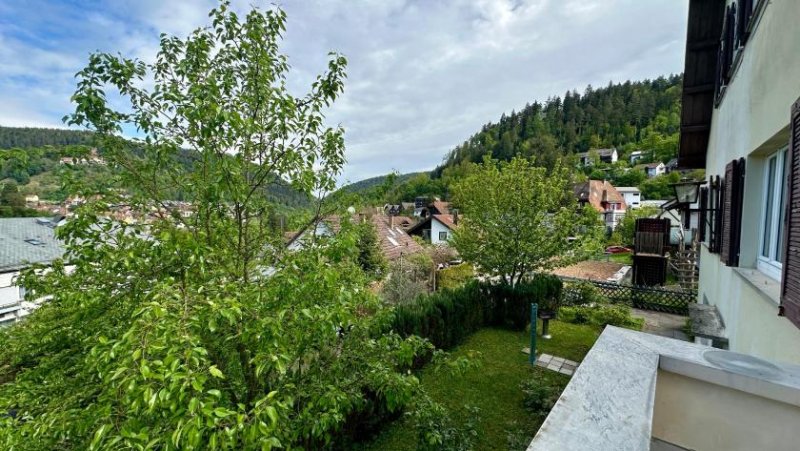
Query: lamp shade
{"x":687,"y":192}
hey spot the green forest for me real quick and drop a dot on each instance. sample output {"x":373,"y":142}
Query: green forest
{"x":630,"y":116}
{"x":30,"y":160}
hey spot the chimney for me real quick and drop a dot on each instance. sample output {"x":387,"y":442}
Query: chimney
{"x":455,"y":216}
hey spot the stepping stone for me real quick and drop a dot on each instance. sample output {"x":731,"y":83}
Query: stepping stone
{"x":553,"y":367}
{"x":566,"y":372}
{"x":567,"y":366}
{"x":571,"y":362}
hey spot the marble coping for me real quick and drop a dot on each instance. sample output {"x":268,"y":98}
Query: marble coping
{"x":608,"y":404}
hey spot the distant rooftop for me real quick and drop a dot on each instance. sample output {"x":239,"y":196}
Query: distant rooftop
{"x":27,"y":240}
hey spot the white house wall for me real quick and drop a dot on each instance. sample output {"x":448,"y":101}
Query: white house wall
{"x":752,"y":122}
{"x":437,"y":227}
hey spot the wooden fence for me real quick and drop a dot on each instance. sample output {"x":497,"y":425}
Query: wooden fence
{"x":642,"y":297}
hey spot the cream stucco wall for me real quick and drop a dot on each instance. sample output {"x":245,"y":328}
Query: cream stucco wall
{"x":752,"y":122}
{"x":702,"y":416}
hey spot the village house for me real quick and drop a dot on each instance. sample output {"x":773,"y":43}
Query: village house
{"x":436,"y":228}
{"x":393,"y":240}
{"x":604,"y":198}
{"x":740,"y":122}
{"x":652,"y":170}
{"x":23,"y":241}
{"x":605,"y":155}
{"x":635,"y":156}
{"x":747,"y":138}
{"x":632,"y":196}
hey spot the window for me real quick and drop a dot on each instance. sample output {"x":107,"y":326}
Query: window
{"x":770,"y":249}
{"x":442,"y":236}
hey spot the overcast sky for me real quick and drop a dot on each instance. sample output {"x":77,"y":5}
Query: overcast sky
{"x":423,"y":75}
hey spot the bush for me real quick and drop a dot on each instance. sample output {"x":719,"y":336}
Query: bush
{"x":582,"y":293}
{"x":538,"y":397}
{"x":601,"y":315}
{"x":448,"y":316}
{"x":454,"y":276}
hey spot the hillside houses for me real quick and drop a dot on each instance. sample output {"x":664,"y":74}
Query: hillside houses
{"x":609,"y":156}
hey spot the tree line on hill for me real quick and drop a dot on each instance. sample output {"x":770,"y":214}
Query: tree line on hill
{"x":629,"y":116}
{"x":30,"y":152}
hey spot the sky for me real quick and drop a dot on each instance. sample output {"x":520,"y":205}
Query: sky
{"x":423,"y":75}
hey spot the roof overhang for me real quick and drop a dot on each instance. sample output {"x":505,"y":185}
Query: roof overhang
{"x":699,"y":76}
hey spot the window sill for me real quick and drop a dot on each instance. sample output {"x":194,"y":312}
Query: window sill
{"x":767,"y":286}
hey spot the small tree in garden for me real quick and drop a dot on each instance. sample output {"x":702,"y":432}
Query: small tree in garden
{"x":624,"y":233}
{"x":516,"y":219}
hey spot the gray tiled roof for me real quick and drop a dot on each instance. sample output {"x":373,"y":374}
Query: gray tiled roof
{"x":16,"y":253}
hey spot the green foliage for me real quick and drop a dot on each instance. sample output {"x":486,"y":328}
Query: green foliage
{"x":10,"y":195}
{"x":659,"y":187}
{"x":625,"y":231}
{"x":22,"y":137}
{"x":582,"y":293}
{"x":601,"y":315}
{"x":203,"y":332}
{"x":628,"y":116}
{"x":370,"y":257}
{"x":447,"y":317}
{"x":539,"y":396}
{"x":407,"y":280}
{"x":455,"y":276}
{"x":519,"y":218}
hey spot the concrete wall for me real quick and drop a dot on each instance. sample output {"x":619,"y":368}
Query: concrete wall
{"x":437,"y":227}
{"x":752,"y":122}
{"x":701,"y":416}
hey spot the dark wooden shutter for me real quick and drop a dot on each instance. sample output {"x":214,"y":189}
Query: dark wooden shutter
{"x":744,"y":14}
{"x":719,"y":198}
{"x":704,"y":215}
{"x":790,"y":282}
{"x":733,"y":194}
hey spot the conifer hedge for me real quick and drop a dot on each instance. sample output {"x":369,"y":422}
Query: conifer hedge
{"x":447,"y":317}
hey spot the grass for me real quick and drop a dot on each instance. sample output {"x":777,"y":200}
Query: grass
{"x":494,"y":386}
{"x":624,"y":259}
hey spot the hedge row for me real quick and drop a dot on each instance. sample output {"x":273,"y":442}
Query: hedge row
{"x":447,"y":317}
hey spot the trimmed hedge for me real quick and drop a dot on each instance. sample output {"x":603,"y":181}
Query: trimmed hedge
{"x":447,"y":317}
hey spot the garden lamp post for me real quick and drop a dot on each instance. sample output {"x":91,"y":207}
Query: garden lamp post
{"x":687,"y":191}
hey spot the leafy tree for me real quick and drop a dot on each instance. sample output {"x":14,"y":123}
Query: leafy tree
{"x":518,"y":219}
{"x":10,"y":195}
{"x":201,"y":332}
{"x":370,"y":258}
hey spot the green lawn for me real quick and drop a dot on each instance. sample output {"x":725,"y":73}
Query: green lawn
{"x":493,"y":387}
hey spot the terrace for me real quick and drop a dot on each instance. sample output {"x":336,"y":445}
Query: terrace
{"x":641,"y":391}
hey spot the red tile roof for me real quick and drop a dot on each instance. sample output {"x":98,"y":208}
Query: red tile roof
{"x":447,"y":220}
{"x":596,"y":192}
{"x":441,"y":208}
{"x":394,"y":241}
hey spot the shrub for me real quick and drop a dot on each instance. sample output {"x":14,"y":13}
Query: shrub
{"x":601,"y":315}
{"x":539,"y":397}
{"x":455,"y":276}
{"x":448,"y":316}
{"x":582,"y":293}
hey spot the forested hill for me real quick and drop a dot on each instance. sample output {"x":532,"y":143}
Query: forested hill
{"x":23,"y":137}
{"x":631,"y":115}
{"x":30,"y":156}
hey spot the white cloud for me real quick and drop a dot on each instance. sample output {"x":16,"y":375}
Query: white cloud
{"x":422,"y":76}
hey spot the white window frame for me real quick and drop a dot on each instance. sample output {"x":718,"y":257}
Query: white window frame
{"x":770,"y":265}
